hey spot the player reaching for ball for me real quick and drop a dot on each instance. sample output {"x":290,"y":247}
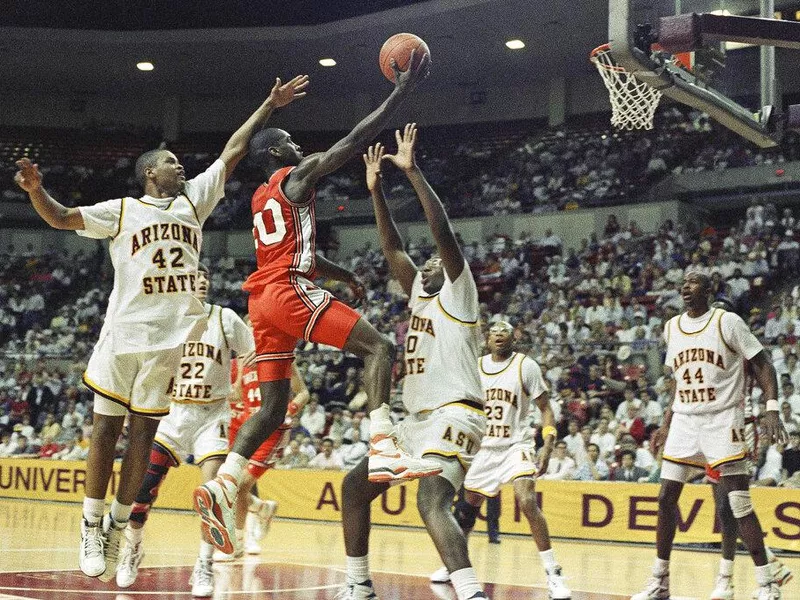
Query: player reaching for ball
{"x":285,"y":307}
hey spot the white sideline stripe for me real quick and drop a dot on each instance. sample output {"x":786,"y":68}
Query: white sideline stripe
{"x":151,"y":592}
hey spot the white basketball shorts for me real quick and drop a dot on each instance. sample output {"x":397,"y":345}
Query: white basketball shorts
{"x":494,"y":466}
{"x":199,"y":430}
{"x":450,"y":434}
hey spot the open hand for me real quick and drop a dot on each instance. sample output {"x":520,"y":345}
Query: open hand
{"x":29,"y":178}
{"x":372,"y":159}
{"x":772,"y":428}
{"x":404,"y":158}
{"x":407,"y":80}
{"x":284,"y":93}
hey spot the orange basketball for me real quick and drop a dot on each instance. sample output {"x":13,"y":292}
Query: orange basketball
{"x":399,"y":48}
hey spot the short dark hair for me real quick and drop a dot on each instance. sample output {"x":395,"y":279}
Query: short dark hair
{"x":593,"y":444}
{"x":146,"y":161}
{"x":561,"y":444}
{"x":327,"y":439}
{"x":625,"y":453}
{"x":262,"y":141}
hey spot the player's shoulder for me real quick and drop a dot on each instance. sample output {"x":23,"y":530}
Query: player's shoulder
{"x":730,"y":319}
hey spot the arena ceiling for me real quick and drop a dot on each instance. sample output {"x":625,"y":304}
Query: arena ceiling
{"x":92,"y":47}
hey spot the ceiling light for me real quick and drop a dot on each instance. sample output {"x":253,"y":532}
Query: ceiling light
{"x":327,"y":62}
{"x":145,"y":66}
{"x":515,"y":44}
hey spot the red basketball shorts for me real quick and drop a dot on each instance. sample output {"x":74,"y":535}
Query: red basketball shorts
{"x":284,"y":312}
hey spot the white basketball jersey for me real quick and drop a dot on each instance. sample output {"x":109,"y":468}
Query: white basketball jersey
{"x":204,"y":374}
{"x":707,"y":357}
{"x":155,"y":249}
{"x":508,"y":388}
{"x":441,"y":354}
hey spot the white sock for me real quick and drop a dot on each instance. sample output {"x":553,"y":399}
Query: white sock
{"x":764,"y":575}
{"x":466,"y":583}
{"x":206,"y":551}
{"x":660,"y":567}
{"x":234,"y":466}
{"x":93,"y":509}
{"x":120,"y":512}
{"x":770,"y":556}
{"x":357,"y":569}
{"x":548,"y":559}
{"x":379,"y":421}
{"x":725,"y":567}
{"x":134,"y":535}
{"x":255,"y":504}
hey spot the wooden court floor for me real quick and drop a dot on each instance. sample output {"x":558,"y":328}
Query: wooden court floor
{"x":304,"y":560}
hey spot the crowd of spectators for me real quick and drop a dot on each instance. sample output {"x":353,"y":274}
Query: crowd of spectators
{"x":591,"y":317}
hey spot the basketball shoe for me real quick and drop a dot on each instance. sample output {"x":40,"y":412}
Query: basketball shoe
{"x":91,"y":558}
{"x":238,"y":551}
{"x":252,"y":534}
{"x":780,"y":572}
{"x":214,"y":501}
{"x":555,"y":584}
{"x":202,"y":579}
{"x":657,"y":588}
{"x":388,"y":462}
{"x":442,"y":575}
{"x":129,"y":561}
{"x":723,"y":589}
{"x":113,"y":533}
{"x":357,"y":591}
{"x":771,"y":591}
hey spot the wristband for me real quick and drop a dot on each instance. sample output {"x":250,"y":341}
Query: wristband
{"x":773,"y":405}
{"x":548,"y":431}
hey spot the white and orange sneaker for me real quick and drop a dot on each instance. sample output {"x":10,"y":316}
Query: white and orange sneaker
{"x":657,"y":588}
{"x":388,"y":462}
{"x":214,"y":501}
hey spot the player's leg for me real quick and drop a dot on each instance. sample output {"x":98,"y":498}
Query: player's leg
{"x":465,"y":512}
{"x":493,"y":519}
{"x":202,"y":578}
{"x":525,"y":492}
{"x":132,"y":554}
{"x":357,"y":495}
{"x":723,"y":587}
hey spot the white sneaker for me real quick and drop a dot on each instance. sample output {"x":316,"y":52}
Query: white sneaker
{"x":91,"y":558}
{"x":657,"y":588}
{"x":388,"y":462}
{"x":114,"y":533}
{"x":214,"y":501}
{"x":251,"y":545}
{"x":555,"y":585}
{"x":723,"y":588}
{"x":264,"y":514}
{"x":202,"y":579}
{"x":780,"y":573}
{"x":771,"y":591}
{"x":442,"y":575}
{"x":129,"y":561}
{"x":357,"y":591}
{"x":238,"y":552}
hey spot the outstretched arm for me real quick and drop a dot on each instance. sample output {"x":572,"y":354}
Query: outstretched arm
{"x":281,"y":95}
{"x":400,"y":263}
{"x":54,"y":213}
{"x":311,"y":169}
{"x":449,"y":250}
{"x":329,"y":270}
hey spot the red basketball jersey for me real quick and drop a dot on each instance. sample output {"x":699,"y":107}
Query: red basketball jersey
{"x":284,"y":234}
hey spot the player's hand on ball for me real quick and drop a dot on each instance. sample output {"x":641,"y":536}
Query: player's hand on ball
{"x":284,"y":93}
{"x":29,"y":178}
{"x":772,"y":428}
{"x":372,"y":159}
{"x":409,"y":79}
{"x":404,"y":158}
{"x":358,"y":289}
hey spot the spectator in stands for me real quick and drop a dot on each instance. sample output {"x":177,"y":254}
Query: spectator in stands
{"x":49,"y":447}
{"x":604,"y":439}
{"x":627,"y":470}
{"x":50,"y":429}
{"x":7,"y":446}
{"x":72,"y":451}
{"x":326,"y":459}
{"x":788,"y":418}
{"x":594,"y":468}
{"x":561,"y":466}
{"x":313,"y":417}
{"x":293,"y":458}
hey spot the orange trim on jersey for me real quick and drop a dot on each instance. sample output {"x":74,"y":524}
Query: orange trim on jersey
{"x":448,"y":456}
{"x":169,"y":450}
{"x":216,"y":454}
{"x":722,"y":337}
{"x":702,"y":329}
{"x":730,"y":459}
{"x":681,"y":461}
{"x":107,"y":394}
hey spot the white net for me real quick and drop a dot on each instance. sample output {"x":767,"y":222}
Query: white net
{"x":633,"y":104}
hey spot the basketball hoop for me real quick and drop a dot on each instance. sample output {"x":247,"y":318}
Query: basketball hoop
{"x":633,"y":104}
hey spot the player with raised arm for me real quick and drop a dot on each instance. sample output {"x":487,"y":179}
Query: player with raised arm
{"x":706,"y":350}
{"x":285,"y":306}
{"x":152,"y":311}
{"x":195,"y":426}
{"x":441,"y":388}
{"x":510,"y":380}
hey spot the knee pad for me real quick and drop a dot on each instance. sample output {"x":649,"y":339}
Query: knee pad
{"x":160,"y":462}
{"x":465,"y":514}
{"x":741,"y":503}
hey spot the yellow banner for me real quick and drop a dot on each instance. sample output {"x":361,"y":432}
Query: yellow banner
{"x":624,"y":512}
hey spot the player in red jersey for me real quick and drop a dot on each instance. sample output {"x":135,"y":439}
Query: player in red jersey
{"x":285,"y":307}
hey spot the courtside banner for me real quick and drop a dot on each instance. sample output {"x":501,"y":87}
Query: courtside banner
{"x":624,"y":512}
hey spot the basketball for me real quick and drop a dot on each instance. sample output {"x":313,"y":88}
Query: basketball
{"x":399,"y":48}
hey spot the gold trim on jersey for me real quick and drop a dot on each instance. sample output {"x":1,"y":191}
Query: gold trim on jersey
{"x":682,"y":461}
{"x":121,"y":214}
{"x":187,"y":401}
{"x":730,"y":459}
{"x":167,"y":207}
{"x":468,"y":405}
{"x":452,"y":318}
{"x":485,"y":372}
{"x":669,"y":331}
{"x":215,"y":454}
{"x":222,"y":327}
{"x":194,"y":208}
{"x":148,"y":412}
{"x":170,"y":450}
{"x":722,"y":337}
{"x":449,"y":456}
{"x":525,"y":474}
{"x":481,"y":492}
{"x":525,"y":391}
{"x":701,"y":330}
{"x":107,"y":394}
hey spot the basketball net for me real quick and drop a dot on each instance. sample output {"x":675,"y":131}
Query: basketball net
{"x":633,"y":104}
